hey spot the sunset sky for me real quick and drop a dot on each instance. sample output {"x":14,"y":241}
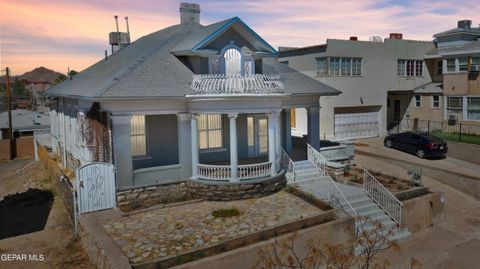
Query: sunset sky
{"x":59,"y":34}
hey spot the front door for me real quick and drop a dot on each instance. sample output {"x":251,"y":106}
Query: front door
{"x":257,"y":129}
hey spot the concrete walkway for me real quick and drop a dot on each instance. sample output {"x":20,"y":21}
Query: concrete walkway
{"x":453,"y":243}
{"x":461,"y":175}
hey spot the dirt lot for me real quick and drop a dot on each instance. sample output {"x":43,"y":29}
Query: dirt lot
{"x":55,"y":244}
{"x":392,"y":183}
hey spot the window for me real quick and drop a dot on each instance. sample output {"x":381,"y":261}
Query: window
{"x":435,"y":101}
{"x":455,"y":105}
{"x":463,"y":64}
{"x":210,"y":131}
{"x":410,"y":68}
{"x":322,"y":67}
{"x":334,"y":66}
{"x":473,"y":108}
{"x":215,"y":65}
{"x":439,"y":67}
{"x":138,"y":135}
{"x":418,"y":101}
{"x":232,"y":61}
{"x":248,"y":67}
{"x":293,"y":118}
{"x":339,"y":66}
{"x":450,"y":65}
{"x":475,"y":64}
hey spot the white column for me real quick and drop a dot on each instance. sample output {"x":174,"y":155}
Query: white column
{"x":194,"y":135}
{"x":233,"y":147}
{"x":184,"y":146}
{"x":122,"y":150}
{"x":278,"y":138}
{"x":272,"y":119}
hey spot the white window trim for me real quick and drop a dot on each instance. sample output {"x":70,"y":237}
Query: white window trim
{"x":404,"y":63}
{"x":432,"y":104}
{"x":208,"y":129}
{"x":141,"y":156}
{"x":340,"y":61}
{"x":415,"y":100}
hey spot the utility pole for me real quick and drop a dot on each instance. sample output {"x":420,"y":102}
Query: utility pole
{"x":9,"y":104}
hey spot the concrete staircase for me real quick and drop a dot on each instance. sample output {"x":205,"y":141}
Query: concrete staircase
{"x":309,"y":179}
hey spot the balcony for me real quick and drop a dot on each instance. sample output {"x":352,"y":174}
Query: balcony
{"x":221,"y":84}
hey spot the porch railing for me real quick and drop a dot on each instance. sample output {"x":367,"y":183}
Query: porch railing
{"x":287,"y":164}
{"x":337,"y":198}
{"x":383,"y":197}
{"x":257,"y":170}
{"x":236,"y":84}
{"x":223,"y":172}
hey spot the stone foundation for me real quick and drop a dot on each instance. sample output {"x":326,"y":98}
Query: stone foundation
{"x":144,"y":197}
{"x":227,"y":191}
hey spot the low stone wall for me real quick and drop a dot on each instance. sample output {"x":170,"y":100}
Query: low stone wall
{"x":227,"y":191}
{"x":142,"y":197}
{"x":422,"y":212}
{"x":100,"y":248}
{"x":333,"y":232}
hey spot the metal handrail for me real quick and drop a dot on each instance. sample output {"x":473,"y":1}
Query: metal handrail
{"x":313,"y":153}
{"x":383,"y":197}
{"x":288,"y":165}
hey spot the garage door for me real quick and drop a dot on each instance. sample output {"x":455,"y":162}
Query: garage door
{"x":356,"y":125}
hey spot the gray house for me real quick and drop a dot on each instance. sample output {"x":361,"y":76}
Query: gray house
{"x":203,"y":103}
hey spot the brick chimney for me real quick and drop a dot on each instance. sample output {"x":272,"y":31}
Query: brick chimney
{"x":189,"y":13}
{"x":465,"y":24}
{"x":396,"y":36}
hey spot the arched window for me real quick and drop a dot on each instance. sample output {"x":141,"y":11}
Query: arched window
{"x":233,"y":61}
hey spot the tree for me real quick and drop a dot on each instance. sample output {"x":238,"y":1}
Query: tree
{"x":63,"y":77}
{"x":359,"y":253}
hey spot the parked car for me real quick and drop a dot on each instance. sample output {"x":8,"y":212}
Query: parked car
{"x":421,"y":144}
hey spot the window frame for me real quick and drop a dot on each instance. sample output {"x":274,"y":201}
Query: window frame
{"x":335,"y":66}
{"x":418,"y":103}
{"x":410,"y":68}
{"x":435,"y":102}
{"x":138,"y":134}
{"x":469,"y":109}
{"x":209,"y":130}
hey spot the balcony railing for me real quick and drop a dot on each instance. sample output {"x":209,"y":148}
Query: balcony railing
{"x":217,"y":84}
{"x":223,"y":172}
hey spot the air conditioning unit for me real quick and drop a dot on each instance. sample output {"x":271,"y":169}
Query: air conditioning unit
{"x":452,"y":119}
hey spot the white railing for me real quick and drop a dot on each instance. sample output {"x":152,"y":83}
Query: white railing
{"x":223,"y":172}
{"x":257,"y":170}
{"x":214,"y":172}
{"x":287,"y":164}
{"x":317,"y":159}
{"x":335,"y":198}
{"x":383,"y":197}
{"x":236,"y":84}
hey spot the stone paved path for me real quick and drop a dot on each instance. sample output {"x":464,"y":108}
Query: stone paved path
{"x":165,"y":232}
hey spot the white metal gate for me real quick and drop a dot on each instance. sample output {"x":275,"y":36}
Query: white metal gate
{"x":95,"y":187}
{"x":356,"y":125}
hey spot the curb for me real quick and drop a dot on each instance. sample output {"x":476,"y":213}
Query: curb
{"x":376,"y":155}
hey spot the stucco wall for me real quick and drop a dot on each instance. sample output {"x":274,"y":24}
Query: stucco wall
{"x":426,"y":111}
{"x":463,"y":151}
{"x":334,"y":232}
{"x":422,"y":212}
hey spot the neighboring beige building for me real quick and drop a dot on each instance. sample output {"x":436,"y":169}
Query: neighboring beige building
{"x":377,"y":79}
{"x":454,"y":66}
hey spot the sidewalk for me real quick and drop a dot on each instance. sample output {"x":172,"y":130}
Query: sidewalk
{"x":453,"y":243}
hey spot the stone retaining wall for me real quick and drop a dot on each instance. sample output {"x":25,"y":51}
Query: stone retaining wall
{"x":148,"y":196}
{"x":234,"y":191}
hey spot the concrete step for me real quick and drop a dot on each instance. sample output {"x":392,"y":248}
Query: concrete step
{"x":307,"y":172}
{"x":366,"y":208}
{"x":360,"y":201}
{"x":372,"y":213}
